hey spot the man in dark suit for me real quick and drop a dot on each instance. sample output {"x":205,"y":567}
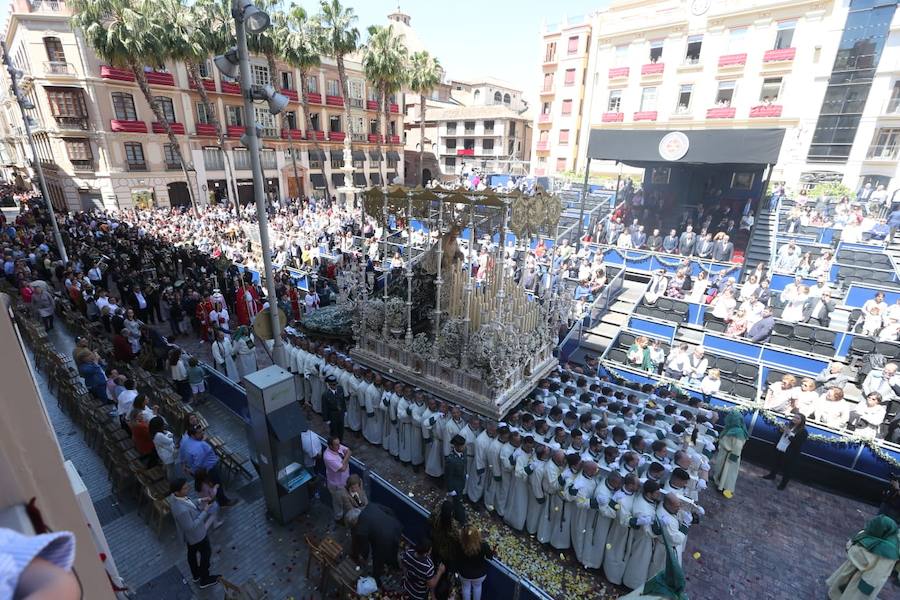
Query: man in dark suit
{"x":723,"y":250}
{"x":638,"y":237}
{"x":139,"y":303}
{"x":817,"y":311}
{"x":654,"y":241}
{"x":762,"y":329}
{"x":687,"y":241}
{"x":703,"y":248}
{"x":376,"y":528}
{"x":334,"y":406}
{"x":670,"y":243}
{"x":455,"y":476}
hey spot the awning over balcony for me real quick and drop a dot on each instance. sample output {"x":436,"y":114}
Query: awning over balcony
{"x":337,"y":155}
{"x":640,"y":148}
{"x":375,"y":178}
{"x":316,"y":154}
{"x":358,"y":154}
{"x":359,"y":179}
{"x":337,"y":179}
{"x":318,"y":181}
{"x":393,"y":155}
{"x":375,"y":155}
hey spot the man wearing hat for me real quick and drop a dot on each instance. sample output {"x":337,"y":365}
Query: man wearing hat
{"x":334,"y":406}
{"x":455,"y":475}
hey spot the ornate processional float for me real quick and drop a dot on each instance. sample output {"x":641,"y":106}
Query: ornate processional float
{"x":478,"y":339}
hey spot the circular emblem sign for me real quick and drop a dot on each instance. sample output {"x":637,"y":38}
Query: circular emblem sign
{"x":674,"y":146}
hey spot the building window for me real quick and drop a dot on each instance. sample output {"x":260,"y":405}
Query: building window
{"x":287,"y":80}
{"x":621,"y":57}
{"x":54,"y":48}
{"x":548,"y":82}
{"x":487,"y":144}
{"x":566,"y":107}
{"x":267,"y":158}
{"x":550,"y":52}
{"x":563,"y":137}
{"x":333,"y":87}
{"x":134,"y":156}
{"x":885,"y":144}
{"x":656,"y":48}
{"x":648,"y":99}
{"x":894,"y":102}
{"x":451,"y":143}
{"x":80,"y":154}
{"x":67,"y":106}
{"x":694,"y":43}
{"x":506,"y":99}
{"x":450,"y":162}
{"x":684,"y":99}
{"x":266,"y":120}
{"x":314,"y":121}
{"x":312,"y":86}
{"x":546,"y":107}
{"x":203,"y":115}
{"x":573,"y":44}
{"x":212,"y":159}
{"x":512,"y":129}
{"x":373,"y":127}
{"x":392,"y":162}
{"x":123,"y":105}
{"x":560,"y":165}
{"x":241,"y":159}
{"x":171,"y":156}
{"x":614,"y":104}
{"x":771,"y":90}
{"x":570,"y":77}
{"x":334,"y":123}
{"x":736,"y":40}
{"x":489,"y":127}
{"x":203,"y":68}
{"x":469,"y":127}
{"x":260,"y":74}
{"x":725,"y":93}
{"x":167,"y":108}
{"x":234,"y":115}
{"x":498,"y":97}
{"x":785,"y":35}
{"x":468,"y":143}
{"x":451,"y":127}
{"x":290,"y":119}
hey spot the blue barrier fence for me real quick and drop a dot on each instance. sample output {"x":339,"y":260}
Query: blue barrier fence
{"x":644,"y":260}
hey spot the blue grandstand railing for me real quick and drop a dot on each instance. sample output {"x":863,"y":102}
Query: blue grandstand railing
{"x":649,"y":261}
{"x":592,"y":316}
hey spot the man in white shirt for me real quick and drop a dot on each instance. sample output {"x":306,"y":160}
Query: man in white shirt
{"x":125,"y":400}
{"x":883,"y":382}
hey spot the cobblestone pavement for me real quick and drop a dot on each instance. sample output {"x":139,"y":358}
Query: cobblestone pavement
{"x":762,"y":544}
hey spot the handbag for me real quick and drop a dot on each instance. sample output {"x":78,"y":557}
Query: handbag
{"x":366,"y":586}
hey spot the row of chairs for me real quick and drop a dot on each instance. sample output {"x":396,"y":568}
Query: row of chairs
{"x":864,"y":275}
{"x":665,"y":309}
{"x":859,"y":258}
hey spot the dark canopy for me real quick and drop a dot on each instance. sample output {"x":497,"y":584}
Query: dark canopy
{"x":359,"y":179}
{"x":375,"y":155}
{"x":337,"y":179}
{"x":316,"y":154}
{"x":375,"y":178}
{"x":336,"y":155}
{"x":639,"y":148}
{"x":358,"y":154}
{"x":393,"y":155}
{"x":318,"y":181}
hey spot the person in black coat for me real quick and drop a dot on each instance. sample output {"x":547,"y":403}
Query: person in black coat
{"x":334,"y":406}
{"x":455,"y":476}
{"x":787,"y":450}
{"x":376,"y":528}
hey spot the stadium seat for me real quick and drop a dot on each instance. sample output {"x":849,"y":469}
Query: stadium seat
{"x":625,"y":340}
{"x":803,"y":332}
{"x":800,"y":345}
{"x":780,"y":340}
{"x":744,"y":390}
{"x":716,"y":326}
{"x":726,"y":366}
{"x":855,"y":314}
{"x":889,"y":349}
{"x":786,"y":329}
{"x":823,"y":349}
{"x":681,"y":308}
{"x":642,"y":310}
{"x":747,"y":372}
{"x":664,"y":304}
{"x":618,"y":356}
{"x":726,"y":386}
{"x":860,"y":346}
{"x":824,"y":336}
{"x":773,"y":376}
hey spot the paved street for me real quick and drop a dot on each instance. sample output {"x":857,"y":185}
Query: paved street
{"x":761,"y":544}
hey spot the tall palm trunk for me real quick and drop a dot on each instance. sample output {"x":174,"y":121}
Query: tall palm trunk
{"x":421,"y":139}
{"x":304,"y":96}
{"x":384,"y":129}
{"x":230,"y":180}
{"x":141,"y":80}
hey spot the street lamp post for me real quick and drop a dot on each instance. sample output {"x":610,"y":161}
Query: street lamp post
{"x":26,"y":104}
{"x":246,"y":16}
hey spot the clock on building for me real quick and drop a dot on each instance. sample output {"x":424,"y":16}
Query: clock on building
{"x":699,"y":7}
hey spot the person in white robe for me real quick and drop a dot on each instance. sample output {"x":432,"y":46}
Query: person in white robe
{"x":674,"y":521}
{"x":404,"y":425}
{"x":350,"y":385}
{"x":314,"y":371}
{"x":453,"y":426}
{"x":643,"y":515}
{"x":603,"y":513}
{"x":561,"y":536}
{"x":872,"y":556}
{"x":537,"y":498}
{"x":384,"y":406}
{"x":516,"y":510}
{"x":301,"y":356}
{"x":552,"y":484}
{"x":470,"y":432}
{"x":493,"y":475}
{"x":416,"y":449}
{"x":246,"y":352}
{"x":584,"y":484}
{"x":434,"y":461}
{"x":621,"y":533}
{"x":475,"y":484}
{"x":374,"y":415}
{"x":223,"y":356}
{"x":506,"y":464}
{"x":727,"y":460}
{"x":392,"y":437}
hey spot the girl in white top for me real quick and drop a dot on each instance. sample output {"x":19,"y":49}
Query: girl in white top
{"x":806,"y":399}
{"x":164,"y":442}
{"x":781,"y":394}
{"x":793,"y":310}
{"x":749,"y":287}
{"x":891,"y":331}
{"x":698,"y":291}
{"x":832,"y":410}
{"x":872,"y":321}
{"x":711,"y":383}
{"x":724,"y":304}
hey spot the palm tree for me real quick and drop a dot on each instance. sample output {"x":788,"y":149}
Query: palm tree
{"x":384,"y":62}
{"x":339,"y":38}
{"x":424,"y":74}
{"x":300,"y":49}
{"x":129,"y":34}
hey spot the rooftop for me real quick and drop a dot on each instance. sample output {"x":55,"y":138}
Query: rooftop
{"x":495,"y":111}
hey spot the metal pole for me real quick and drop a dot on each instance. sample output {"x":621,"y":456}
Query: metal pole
{"x":385,"y":262}
{"x":584,"y":191}
{"x":438,"y":281}
{"x":61,"y":248}
{"x":470,"y":285}
{"x":258,"y":194}
{"x":409,"y":272}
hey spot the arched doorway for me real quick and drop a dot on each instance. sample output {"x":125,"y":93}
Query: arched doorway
{"x":179,"y":197}
{"x":426,"y":176}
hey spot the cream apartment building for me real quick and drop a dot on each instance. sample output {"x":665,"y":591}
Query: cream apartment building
{"x":99,"y":144}
{"x":823,"y":71}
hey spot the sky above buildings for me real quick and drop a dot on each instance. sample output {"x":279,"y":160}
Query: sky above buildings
{"x":471,"y":38}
